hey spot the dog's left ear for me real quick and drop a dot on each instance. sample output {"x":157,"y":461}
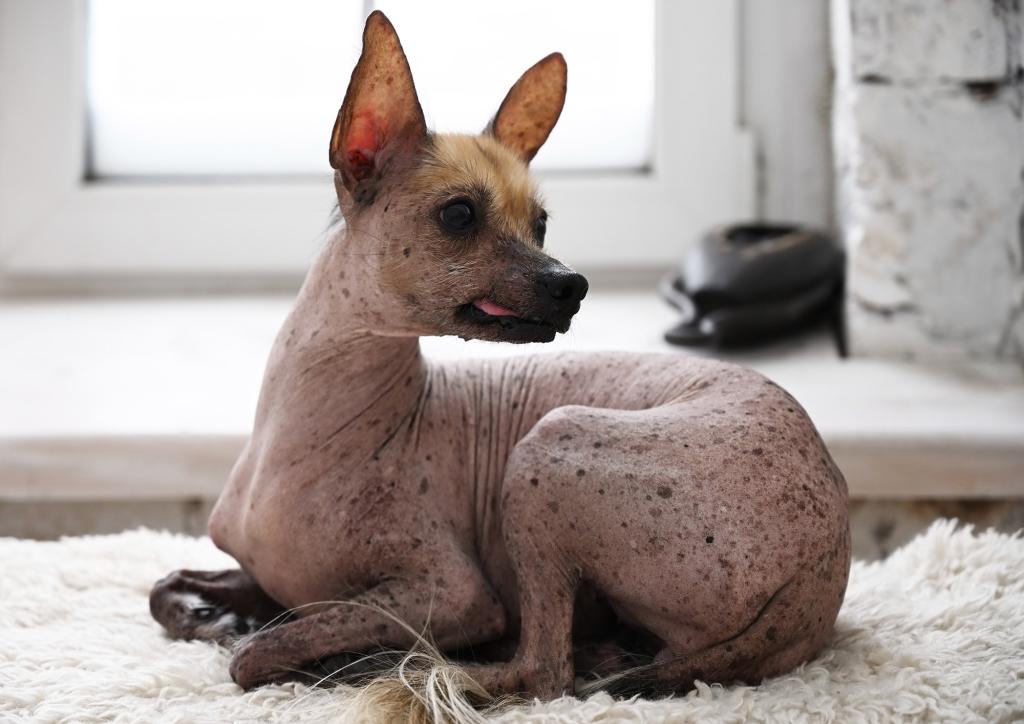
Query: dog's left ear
{"x":380,"y":120}
{"x":532,"y":107}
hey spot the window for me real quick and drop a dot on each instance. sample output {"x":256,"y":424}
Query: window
{"x":187,"y":138}
{"x":259,"y":85}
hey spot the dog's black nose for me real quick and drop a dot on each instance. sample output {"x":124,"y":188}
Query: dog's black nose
{"x":565,"y":286}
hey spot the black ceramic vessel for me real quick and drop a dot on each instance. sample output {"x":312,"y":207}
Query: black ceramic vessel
{"x":749,"y":283}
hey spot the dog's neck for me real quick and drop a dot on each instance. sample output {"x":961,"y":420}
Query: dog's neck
{"x":329,"y":364}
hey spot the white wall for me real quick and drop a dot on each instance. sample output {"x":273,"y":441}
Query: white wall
{"x":786,"y":92}
{"x":929,"y":141}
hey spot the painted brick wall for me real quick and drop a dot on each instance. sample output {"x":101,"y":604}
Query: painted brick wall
{"x":928,"y":137}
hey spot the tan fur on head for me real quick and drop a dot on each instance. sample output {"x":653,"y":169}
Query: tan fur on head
{"x":431,"y":273}
{"x":436,"y":273}
{"x":457,"y":163}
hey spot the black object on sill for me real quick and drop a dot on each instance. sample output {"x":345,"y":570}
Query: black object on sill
{"x":751,"y":283}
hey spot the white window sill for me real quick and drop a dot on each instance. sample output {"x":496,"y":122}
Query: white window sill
{"x":151,"y":399}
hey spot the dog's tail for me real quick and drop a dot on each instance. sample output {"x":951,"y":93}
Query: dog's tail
{"x":422,"y":688}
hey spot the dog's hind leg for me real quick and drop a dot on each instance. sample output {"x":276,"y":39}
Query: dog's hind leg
{"x":212,"y":605}
{"x":543,"y":664}
{"x":547,"y":580}
{"x":753,"y":654}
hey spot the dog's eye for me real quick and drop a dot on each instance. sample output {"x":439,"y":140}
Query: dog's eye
{"x":203,"y":613}
{"x":458,"y":216}
{"x":541,"y":228}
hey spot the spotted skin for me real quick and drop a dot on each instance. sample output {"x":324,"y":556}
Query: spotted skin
{"x":543,"y":512}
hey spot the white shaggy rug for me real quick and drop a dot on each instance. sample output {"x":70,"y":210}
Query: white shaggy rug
{"x":935,"y":633}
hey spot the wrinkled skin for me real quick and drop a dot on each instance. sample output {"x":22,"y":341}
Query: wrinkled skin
{"x":681,"y":509}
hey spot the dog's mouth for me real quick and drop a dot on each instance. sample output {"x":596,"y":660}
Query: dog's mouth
{"x":490,"y":308}
{"x":508,"y":323}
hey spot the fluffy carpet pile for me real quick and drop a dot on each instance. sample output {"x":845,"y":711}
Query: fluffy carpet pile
{"x":934,"y":633}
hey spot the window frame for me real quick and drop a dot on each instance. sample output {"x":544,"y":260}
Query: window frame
{"x":56,"y":224}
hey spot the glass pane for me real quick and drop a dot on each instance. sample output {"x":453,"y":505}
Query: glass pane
{"x":251,"y":87}
{"x":199,"y":87}
{"x":466,"y":54}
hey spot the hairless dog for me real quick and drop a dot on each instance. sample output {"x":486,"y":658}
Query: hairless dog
{"x":684,"y":506}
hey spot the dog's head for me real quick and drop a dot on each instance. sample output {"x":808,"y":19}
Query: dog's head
{"x":455,"y":222}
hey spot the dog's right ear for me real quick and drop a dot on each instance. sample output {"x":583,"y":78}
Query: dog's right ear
{"x":380,"y":120}
{"x":531,"y":108}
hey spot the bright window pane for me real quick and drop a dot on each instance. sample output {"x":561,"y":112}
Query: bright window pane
{"x":250,"y":87}
{"x":200,"y":87}
{"x":466,"y":54}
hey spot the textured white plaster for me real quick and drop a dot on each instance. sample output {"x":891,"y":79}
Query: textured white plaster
{"x":931,"y":177}
{"x":930,"y":39}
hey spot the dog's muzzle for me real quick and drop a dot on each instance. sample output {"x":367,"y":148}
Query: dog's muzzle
{"x":559,"y":293}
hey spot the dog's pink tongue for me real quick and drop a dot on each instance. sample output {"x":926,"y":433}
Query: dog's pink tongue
{"x":495,"y":310}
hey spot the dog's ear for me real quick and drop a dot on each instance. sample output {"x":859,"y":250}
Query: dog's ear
{"x":380,"y":119}
{"x":530,"y":110}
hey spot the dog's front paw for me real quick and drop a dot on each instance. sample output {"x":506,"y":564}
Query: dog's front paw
{"x":257,"y":661}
